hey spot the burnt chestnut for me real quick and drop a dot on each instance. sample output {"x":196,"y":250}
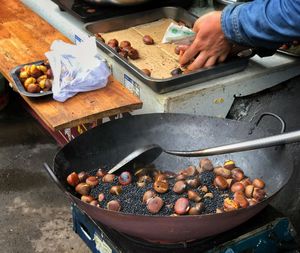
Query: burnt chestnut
{"x":182,"y":206}
{"x":124,"y":44}
{"x":114,"y":205}
{"x":87,"y":198}
{"x":73,"y":179}
{"x":179,"y":187}
{"x":230,"y":205}
{"x":83,"y":176}
{"x":176,"y":72}
{"x":206,"y":164}
{"x":249,"y":191}
{"x":101,"y":197}
{"x":147,"y":195}
{"x":237,"y":187}
{"x":197,"y":209}
{"x":116,"y":190}
{"x":125,"y":178}
{"x":92,"y":181}
{"x":220,"y":171}
{"x":194,"y":196}
{"x":240,"y":198}
{"x":194,"y":183}
{"x":113,"y":43}
{"x":237,"y":174}
{"x":258,"y":183}
{"x":161,"y":186}
{"x":220,"y":182}
{"x":108,"y":178}
{"x":154,"y":204}
{"x":147,"y":72}
{"x":258,"y":194}
{"x":229,"y":164}
{"x":83,"y":188}
{"x":101,"y":173}
{"x":148,"y":40}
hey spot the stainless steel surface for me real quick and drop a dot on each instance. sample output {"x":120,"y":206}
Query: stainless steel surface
{"x":150,"y":152}
{"x":117,"y":2}
{"x":168,"y":84}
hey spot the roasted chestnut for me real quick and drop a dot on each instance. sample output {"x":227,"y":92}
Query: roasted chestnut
{"x":143,"y":180}
{"x":258,"y":194}
{"x":133,"y":54}
{"x":230,"y":205}
{"x":123,"y":54}
{"x":191,"y":171}
{"x":101,"y":197}
{"x":147,"y":72}
{"x":249,"y":191}
{"x":101,"y":173}
{"x":237,"y":174}
{"x":87,"y":198}
{"x":197,"y":209}
{"x":229,"y":164}
{"x":204,"y":189}
{"x":94,"y":203}
{"x":82,"y":176}
{"x":240,"y":198}
{"x":125,"y":178}
{"x":108,"y":178}
{"x":194,"y":183}
{"x":176,"y":72}
{"x":206,"y":164}
{"x":220,"y":171}
{"x":258,"y":183}
{"x":154,"y":204}
{"x":124,"y":44}
{"x":92,"y":181}
{"x":113,"y":43}
{"x":182,"y":206}
{"x":116,"y":189}
{"x":73,"y":179}
{"x":180,"y":177}
{"x":148,"y":40}
{"x":161,"y":186}
{"x":179,"y":187}
{"x":208,"y":195}
{"x":83,"y":188}
{"x":194,"y":196}
{"x":246,"y":181}
{"x":237,"y":187}
{"x":33,"y":88}
{"x":114,"y":205}
{"x":220,"y":182}
{"x":147,"y":195}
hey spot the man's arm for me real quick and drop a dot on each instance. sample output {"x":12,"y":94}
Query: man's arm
{"x":262,"y":23}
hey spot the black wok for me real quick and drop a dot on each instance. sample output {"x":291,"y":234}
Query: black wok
{"x":109,"y":142}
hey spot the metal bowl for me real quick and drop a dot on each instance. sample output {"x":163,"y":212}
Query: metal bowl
{"x":117,"y":2}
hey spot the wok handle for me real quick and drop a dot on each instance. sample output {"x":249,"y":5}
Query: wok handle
{"x":54,"y":178}
{"x":282,"y":122}
{"x":275,"y":140}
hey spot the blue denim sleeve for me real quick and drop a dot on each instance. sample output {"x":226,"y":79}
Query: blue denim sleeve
{"x":262,"y":23}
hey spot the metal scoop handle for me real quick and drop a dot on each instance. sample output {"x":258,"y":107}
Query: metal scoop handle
{"x":275,"y":140}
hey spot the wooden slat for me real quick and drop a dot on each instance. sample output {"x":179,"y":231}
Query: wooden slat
{"x":25,"y":37}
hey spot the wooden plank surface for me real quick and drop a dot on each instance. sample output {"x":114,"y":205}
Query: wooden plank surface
{"x":25,"y":37}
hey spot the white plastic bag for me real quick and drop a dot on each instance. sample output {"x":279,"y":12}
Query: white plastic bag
{"x":178,"y":34}
{"x":76,"y":68}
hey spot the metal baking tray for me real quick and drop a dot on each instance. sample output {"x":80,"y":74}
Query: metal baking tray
{"x":168,"y":84}
{"x":15,"y":72}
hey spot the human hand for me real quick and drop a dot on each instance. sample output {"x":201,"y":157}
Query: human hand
{"x":210,"y":43}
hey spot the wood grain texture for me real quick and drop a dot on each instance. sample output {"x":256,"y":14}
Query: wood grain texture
{"x":24,"y":38}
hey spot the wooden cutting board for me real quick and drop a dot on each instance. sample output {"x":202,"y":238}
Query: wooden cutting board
{"x":24,"y":38}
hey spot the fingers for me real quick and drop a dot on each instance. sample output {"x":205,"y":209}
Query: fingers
{"x":189,"y":53}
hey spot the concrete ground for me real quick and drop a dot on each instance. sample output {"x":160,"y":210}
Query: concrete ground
{"x":35,"y":216}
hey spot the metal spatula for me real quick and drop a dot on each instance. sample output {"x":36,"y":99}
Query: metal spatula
{"x":149,"y":153}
